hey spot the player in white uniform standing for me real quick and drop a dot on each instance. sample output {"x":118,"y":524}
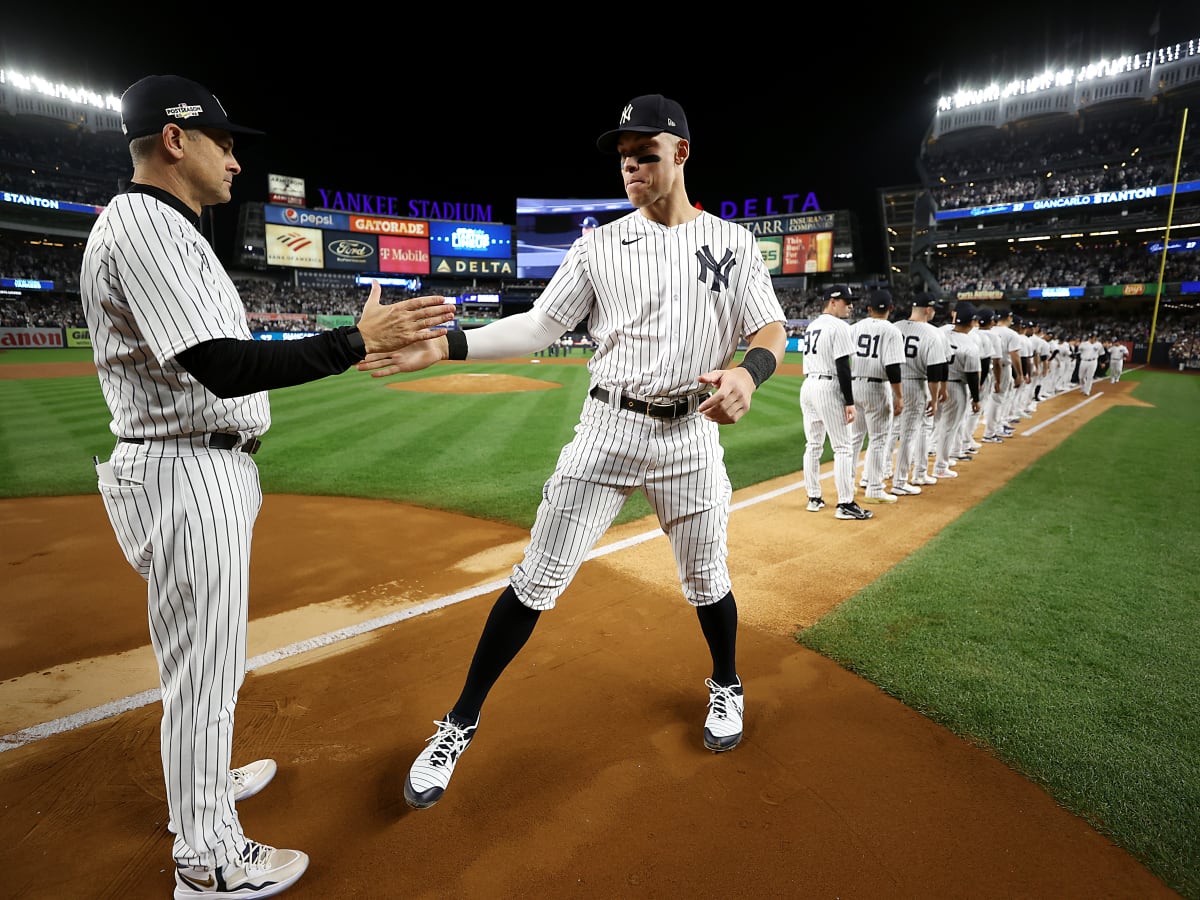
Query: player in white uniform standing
{"x":962,"y":391}
{"x":1006,"y":368}
{"x":1117,"y":354}
{"x":926,"y":357}
{"x":668,"y":292}
{"x":827,"y":403}
{"x":186,"y":386}
{"x":1090,"y":351}
{"x":878,"y":360}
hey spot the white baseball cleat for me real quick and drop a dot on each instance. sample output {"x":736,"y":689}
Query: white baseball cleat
{"x":248,"y":780}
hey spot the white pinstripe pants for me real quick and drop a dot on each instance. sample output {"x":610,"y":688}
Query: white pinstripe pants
{"x":873,"y":422}
{"x":679,"y":464}
{"x":184,"y":518}
{"x":824,"y":410}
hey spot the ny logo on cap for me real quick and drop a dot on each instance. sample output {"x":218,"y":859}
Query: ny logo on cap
{"x":183,"y":111}
{"x":626,"y":114}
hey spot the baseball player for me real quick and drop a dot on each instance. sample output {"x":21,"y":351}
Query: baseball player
{"x":1090,"y":351}
{"x":962,"y":391}
{"x":987,"y":353}
{"x":926,"y":357}
{"x":668,"y":292}
{"x":878,"y":358}
{"x":1117,"y":354}
{"x":827,"y":403}
{"x":186,"y":386}
{"x":1006,"y":369}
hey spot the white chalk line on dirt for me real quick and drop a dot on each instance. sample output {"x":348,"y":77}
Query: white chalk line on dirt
{"x":125,"y":704}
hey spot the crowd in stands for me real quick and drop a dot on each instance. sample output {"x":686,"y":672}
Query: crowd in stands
{"x":1061,"y":157}
{"x":45,"y":159}
{"x":1018,"y":268}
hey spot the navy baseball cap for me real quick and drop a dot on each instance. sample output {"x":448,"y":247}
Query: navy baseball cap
{"x":647,"y":114}
{"x":589,"y":222}
{"x":880,"y":298}
{"x":838,"y":292}
{"x":154,"y":101}
{"x":986,"y":316}
{"x":965,"y":311}
{"x":925,"y":298}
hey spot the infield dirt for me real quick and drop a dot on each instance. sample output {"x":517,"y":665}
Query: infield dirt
{"x":588,"y":777}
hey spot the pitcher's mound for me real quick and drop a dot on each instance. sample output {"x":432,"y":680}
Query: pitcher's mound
{"x":476,"y":383}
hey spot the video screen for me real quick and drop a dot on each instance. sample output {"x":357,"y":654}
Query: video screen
{"x":547,"y":228}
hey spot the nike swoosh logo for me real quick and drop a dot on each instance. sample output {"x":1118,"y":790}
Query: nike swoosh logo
{"x":630,"y":240}
{"x":208,"y":882}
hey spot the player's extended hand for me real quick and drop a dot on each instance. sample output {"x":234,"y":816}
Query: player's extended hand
{"x":731,"y":398}
{"x":416,"y":356}
{"x":397,"y":325}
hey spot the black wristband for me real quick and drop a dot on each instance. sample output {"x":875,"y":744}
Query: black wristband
{"x":355,"y":339}
{"x":760,"y":363}
{"x":456,"y":341}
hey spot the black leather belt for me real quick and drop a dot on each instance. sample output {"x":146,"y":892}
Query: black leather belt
{"x":656,"y":409}
{"x":820,"y":375}
{"x":872,"y":380}
{"x":220,"y":440}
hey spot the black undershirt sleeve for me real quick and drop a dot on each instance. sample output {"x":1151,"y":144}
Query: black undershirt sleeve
{"x":233,"y":368}
{"x":844,"y":379}
{"x":893,"y":373}
{"x":973,"y":385}
{"x":938,"y":372}
{"x":985,"y":366}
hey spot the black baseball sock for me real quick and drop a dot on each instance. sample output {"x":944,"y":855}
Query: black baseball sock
{"x":718,"y":621}
{"x":508,"y":627}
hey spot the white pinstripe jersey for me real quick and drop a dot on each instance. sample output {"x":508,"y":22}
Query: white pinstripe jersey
{"x":924,"y":346}
{"x":826,"y":340}
{"x":877,"y":344}
{"x":664,"y":304}
{"x":964,"y":354}
{"x":1006,"y":339}
{"x":152,"y":287}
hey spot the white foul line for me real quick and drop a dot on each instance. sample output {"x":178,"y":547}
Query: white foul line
{"x":145,"y":698}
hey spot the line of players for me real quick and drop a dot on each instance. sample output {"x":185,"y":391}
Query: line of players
{"x":922,"y":391}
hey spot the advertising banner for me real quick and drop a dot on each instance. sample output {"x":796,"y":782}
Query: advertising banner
{"x":304,"y":218}
{"x":406,"y":255}
{"x":772,"y":251}
{"x":351,"y":251}
{"x":297,"y":247}
{"x":441,"y":265}
{"x":470,"y":240}
{"x":13,"y":338}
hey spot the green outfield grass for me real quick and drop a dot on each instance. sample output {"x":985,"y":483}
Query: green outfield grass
{"x":1055,"y":624}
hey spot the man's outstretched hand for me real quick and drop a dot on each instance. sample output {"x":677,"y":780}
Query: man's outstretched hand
{"x":413,"y":358}
{"x":397,"y":325}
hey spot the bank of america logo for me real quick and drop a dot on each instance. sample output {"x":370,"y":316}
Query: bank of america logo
{"x":294,"y":241}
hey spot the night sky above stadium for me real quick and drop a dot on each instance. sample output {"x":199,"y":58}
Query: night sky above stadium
{"x":375,"y":100}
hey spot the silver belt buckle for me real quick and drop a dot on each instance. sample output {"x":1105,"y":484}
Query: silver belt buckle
{"x":668,"y":403}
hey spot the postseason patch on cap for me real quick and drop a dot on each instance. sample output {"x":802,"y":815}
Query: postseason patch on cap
{"x":157,"y":100}
{"x":837,"y":292}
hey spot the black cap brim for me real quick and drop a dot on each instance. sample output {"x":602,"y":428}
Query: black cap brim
{"x":607,"y":142}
